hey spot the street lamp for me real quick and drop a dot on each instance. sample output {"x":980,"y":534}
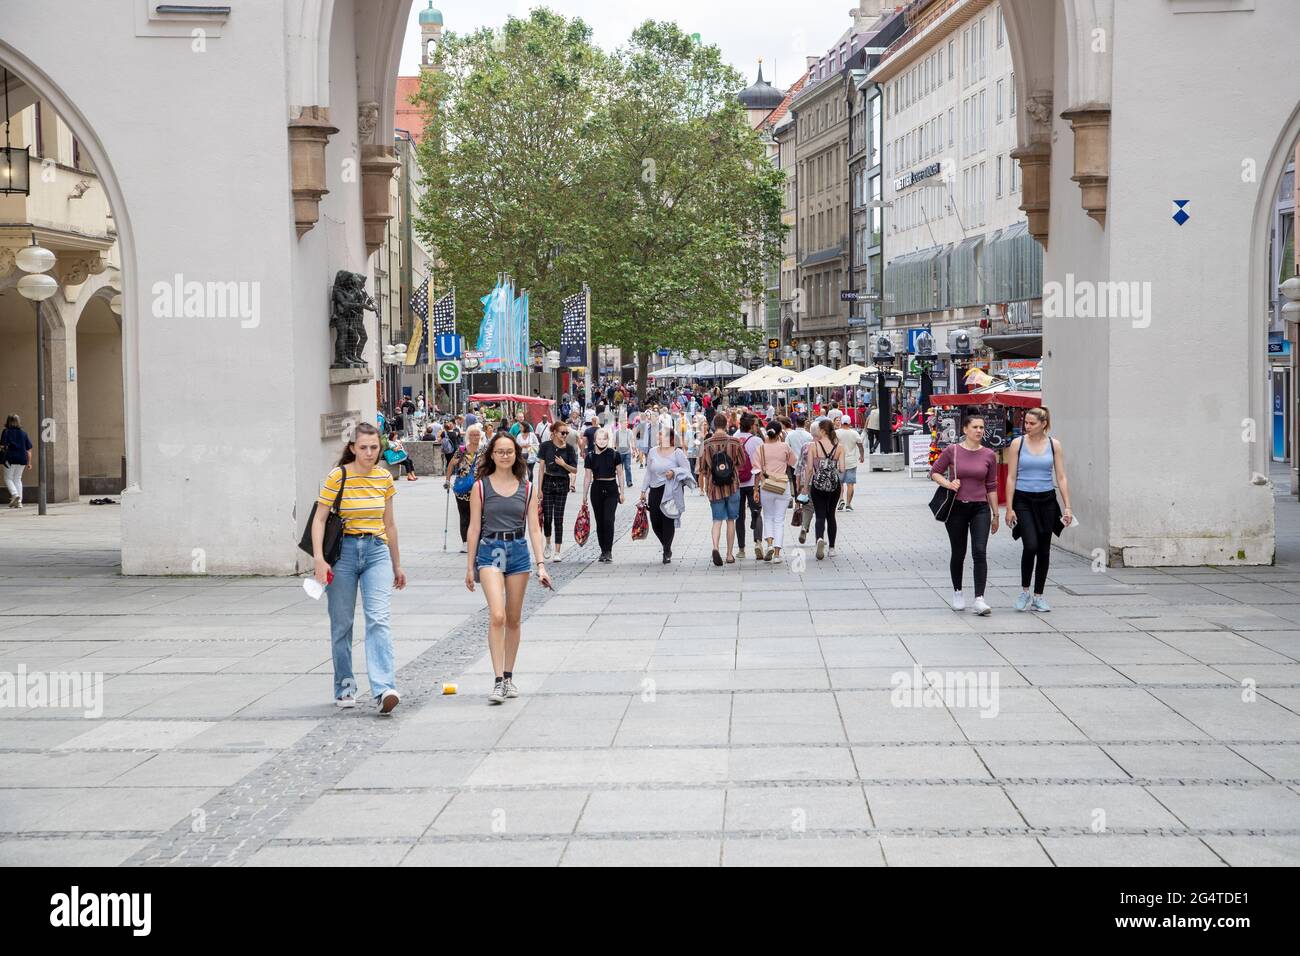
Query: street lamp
{"x":36,"y":287}
{"x":882,"y":356}
{"x":925,"y":357}
{"x":731,"y":355}
{"x":819,"y":348}
{"x":553,"y":363}
{"x":959,"y":347}
{"x":695,"y":355}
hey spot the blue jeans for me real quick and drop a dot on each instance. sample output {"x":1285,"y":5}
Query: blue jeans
{"x":627,"y":465}
{"x":363,"y":561}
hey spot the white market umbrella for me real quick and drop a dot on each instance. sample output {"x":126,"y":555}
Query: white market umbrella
{"x":848,"y":375}
{"x":817,"y":374}
{"x":750,"y":381}
{"x":672,"y":371}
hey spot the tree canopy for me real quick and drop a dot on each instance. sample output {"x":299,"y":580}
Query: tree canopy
{"x":635,"y":171}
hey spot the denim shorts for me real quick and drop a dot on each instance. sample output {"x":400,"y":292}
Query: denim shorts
{"x":851,"y":476}
{"x":726,"y":509}
{"x":510,"y":557}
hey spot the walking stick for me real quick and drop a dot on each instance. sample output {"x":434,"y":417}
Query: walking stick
{"x":446,"y":508}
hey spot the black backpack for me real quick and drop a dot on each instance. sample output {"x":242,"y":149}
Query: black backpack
{"x":721,"y":470}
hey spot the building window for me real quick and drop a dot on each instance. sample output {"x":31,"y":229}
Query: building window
{"x":1001,"y":28}
{"x":997,"y":178}
{"x":1015,"y":176}
{"x":984,"y":120}
{"x":939,"y":70}
{"x":952,"y":125}
{"x":875,"y":130}
{"x":997,"y":100}
{"x":952,"y":58}
{"x":1012,"y":109}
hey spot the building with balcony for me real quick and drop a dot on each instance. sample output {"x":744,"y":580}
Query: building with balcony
{"x":958,"y":249}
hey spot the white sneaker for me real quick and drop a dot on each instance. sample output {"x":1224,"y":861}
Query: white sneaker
{"x":982,"y":608}
{"x":831,"y":552}
{"x":558,"y":557}
{"x":347,"y":700}
{"x":498,"y":695}
{"x":777,"y":558}
{"x":546,"y":552}
{"x":388,"y":702}
{"x":958,"y":601}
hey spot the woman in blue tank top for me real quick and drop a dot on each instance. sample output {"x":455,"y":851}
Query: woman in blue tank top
{"x":502,"y":519}
{"x":1036,"y":471}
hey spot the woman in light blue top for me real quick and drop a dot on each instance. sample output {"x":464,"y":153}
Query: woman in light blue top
{"x":1036,"y":471}
{"x":666,"y":466}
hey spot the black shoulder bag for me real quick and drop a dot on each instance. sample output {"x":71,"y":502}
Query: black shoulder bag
{"x":332,"y":541}
{"x":941,"y":503}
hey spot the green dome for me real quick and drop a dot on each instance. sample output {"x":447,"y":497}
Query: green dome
{"x":430,"y":15}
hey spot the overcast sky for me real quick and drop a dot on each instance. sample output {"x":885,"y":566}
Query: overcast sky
{"x":779,"y":31}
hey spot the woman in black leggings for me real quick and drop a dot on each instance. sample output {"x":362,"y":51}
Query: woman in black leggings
{"x":825,"y":448}
{"x":605,"y":490}
{"x":975,"y":512}
{"x":1036,"y":471}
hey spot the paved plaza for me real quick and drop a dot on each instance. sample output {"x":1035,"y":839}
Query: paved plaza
{"x":675,"y":714}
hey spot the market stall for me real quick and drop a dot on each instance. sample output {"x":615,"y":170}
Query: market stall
{"x":1004,"y":421}
{"x":539,"y":409}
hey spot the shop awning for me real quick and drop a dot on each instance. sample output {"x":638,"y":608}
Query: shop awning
{"x":1017,"y":344}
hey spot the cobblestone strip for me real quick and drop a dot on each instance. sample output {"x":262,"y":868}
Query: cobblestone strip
{"x":237,"y":822}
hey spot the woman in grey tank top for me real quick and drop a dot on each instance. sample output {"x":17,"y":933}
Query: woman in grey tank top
{"x":503,"y":518}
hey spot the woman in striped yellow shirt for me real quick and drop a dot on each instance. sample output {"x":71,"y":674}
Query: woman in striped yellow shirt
{"x":370,"y":558}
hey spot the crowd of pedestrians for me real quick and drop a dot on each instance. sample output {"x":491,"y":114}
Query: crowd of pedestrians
{"x":760,"y":469}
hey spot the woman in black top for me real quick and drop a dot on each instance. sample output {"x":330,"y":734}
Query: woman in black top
{"x":559,"y":474}
{"x":602,"y":466}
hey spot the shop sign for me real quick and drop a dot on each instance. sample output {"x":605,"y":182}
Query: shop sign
{"x":908,"y":179}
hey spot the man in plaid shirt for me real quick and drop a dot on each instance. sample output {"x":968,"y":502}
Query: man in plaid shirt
{"x":724,"y":497}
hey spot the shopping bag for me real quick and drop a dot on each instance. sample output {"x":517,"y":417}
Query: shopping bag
{"x":582,"y":527}
{"x":641,"y":523}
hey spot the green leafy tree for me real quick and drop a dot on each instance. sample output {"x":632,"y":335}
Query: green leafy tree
{"x":690,"y":206}
{"x":503,"y":161}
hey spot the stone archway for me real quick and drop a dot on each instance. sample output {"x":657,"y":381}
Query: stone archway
{"x":101,"y":436}
{"x":81,"y":273}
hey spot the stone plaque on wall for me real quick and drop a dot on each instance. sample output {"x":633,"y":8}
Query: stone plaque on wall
{"x":334,"y":424}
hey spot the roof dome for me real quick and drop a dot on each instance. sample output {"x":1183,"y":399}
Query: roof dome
{"x":762,"y":95}
{"x":430,"y":15}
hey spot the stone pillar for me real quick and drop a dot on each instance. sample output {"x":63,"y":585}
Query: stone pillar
{"x":1091,"y":128}
{"x":308,"y":135}
{"x":377,"y":166}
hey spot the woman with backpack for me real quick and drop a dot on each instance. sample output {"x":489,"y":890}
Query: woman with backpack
{"x":369,"y":559}
{"x":975,"y":510}
{"x":1036,"y":471}
{"x":822,"y":478}
{"x":460,"y":477}
{"x":775,"y":463}
{"x":503,"y":519}
{"x":16,"y":449}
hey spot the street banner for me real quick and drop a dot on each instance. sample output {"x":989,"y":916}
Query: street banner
{"x":417,"y":353}
{"x":573,"y":335}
